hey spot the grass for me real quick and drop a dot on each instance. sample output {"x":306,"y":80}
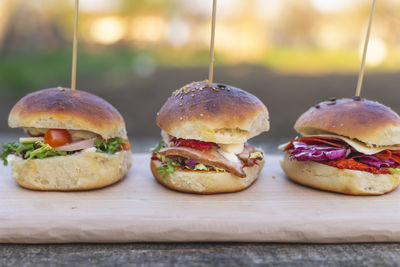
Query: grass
{"x":25,"y":72}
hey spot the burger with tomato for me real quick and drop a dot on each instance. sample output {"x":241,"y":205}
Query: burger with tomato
{"x":349,"y":146}
{"x":204,"y":145}
{"x":74,"y":141}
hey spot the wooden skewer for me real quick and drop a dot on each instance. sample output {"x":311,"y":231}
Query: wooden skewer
{"x":75,"y":46}
{"x":211,"y":66}
{"x":364,"y":56}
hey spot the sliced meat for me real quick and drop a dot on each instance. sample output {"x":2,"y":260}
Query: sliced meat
{"x":244,"y":156}
{"x":78,"y":145}
{"x":210,"y":157}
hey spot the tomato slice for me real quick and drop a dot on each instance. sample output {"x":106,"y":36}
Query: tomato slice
{"x":196,"y":144}
{"x":57,"y":137}
{"x":126,"y":145}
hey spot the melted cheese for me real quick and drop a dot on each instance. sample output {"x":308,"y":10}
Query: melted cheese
{"x":229,"y":156}
{"x":232,"y":148}
{"x":357,"y":145}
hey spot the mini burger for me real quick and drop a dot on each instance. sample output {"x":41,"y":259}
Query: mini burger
{"x":74,"y":141}
{"x":349,"y":146}
{"x":205,"y":130}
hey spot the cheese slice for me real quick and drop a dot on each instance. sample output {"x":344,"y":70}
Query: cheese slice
{"x":232,"y":148}
{"x":357,"y":145}
{"x":229,"y":156}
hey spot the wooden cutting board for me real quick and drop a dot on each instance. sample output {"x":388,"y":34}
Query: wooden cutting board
{"x":139,"y":209}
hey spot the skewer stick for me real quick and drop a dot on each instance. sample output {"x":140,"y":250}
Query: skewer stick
{"x":75,"y":46}
{"x":362,"y":69}
{"x":211,"y":66}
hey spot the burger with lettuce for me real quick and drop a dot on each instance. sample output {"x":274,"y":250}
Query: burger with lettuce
{"x":204,"y":146}
{"x":73,"y":141}
{"x":349,"y":146}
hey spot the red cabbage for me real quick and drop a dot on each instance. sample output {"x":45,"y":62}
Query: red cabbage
{"x":304,"y":152}
{"x":373,"y":161}
{"x":191,"y":163}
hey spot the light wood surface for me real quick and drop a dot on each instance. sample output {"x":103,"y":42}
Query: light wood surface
{"x":140,"y":209}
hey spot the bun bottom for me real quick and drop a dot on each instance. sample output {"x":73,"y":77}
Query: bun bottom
{"x":207,"y":182}
{"x":350,"y":182}
{"x":79,"y":171}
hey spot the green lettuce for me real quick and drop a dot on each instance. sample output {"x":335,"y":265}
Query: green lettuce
{"x":394,"y":171}
{"x":109,"y":146}
{"x":34,"y":150}
{"x":159,"y":146}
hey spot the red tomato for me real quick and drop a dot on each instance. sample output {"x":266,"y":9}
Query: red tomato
{"x":196,"y":144}
{"x":57,"y":137}
{"x":125,"y":146}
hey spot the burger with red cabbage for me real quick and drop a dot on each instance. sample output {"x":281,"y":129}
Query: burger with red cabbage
{"x":349,"y":146}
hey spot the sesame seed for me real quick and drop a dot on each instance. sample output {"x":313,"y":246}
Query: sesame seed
{"x":356,"y":98}
{"x":201,"y":114}
{"x":158,"y":113}
{"x":180,"y":105}
{"x":192,"y":95}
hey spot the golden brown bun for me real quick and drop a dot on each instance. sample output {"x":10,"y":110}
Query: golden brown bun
{"x":66,"y":109}
{"x":364,"y":120}
{"x":207,"y":182}
{"x":333,"y":179}
{"x":222,"y":114}
{"x":79,"y":171}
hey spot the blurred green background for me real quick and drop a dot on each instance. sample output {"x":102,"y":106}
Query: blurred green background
{"x":134,"y":53}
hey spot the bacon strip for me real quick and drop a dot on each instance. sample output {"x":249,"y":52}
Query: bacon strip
{"x":210,"y":157}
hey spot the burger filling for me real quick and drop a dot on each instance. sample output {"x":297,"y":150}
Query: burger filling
{"x":44,"y":143}
{"x":343,"y":153}
{"x":194,"y":155}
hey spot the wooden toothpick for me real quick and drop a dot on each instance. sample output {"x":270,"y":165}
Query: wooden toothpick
{"x":211,"y":66}
{"x":362,"y":69}
{"x":75,"y":46}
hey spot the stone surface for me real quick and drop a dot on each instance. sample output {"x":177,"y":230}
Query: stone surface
{"x":200,"y":254}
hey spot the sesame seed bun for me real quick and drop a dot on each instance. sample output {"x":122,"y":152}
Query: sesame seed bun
{"x":350,"y":182}
{"x":367,"y":121}
{"x":222,"y":114}
{"x":63,"y":108}
{"x":200,"y":182}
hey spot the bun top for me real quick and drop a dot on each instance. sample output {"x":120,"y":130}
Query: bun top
{"x":367,"y":121}
{"x":62,"y":108}
{"x":222,"y":114}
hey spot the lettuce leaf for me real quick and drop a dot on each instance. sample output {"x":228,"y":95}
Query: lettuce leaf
{"x":159,"y":146}
{"x":394,"y":171}
{"x":109,"y":146}
{"x":34,"y":150}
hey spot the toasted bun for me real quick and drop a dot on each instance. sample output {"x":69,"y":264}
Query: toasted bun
{"x":221,"y":114}
{"x":364,"y":120}
{"x":207,"y":182}
{"x":62,"y":108}
{"x":333,"y":179}
{"x":79,"y":171}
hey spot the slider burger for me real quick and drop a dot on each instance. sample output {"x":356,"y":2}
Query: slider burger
{"x":205,"y":131}
{"x":350,"y":146}
{"x":75,"y":141}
